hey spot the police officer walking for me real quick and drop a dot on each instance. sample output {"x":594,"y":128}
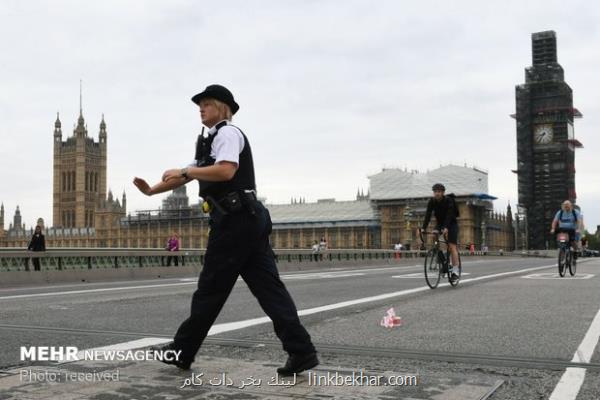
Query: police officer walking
{"x":238,"y":242}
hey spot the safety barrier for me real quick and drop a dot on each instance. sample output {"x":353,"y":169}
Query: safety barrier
{"x":79,"y":259}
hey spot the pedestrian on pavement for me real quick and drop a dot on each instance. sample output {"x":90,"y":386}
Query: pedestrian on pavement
{"x":238,"y":242}
{"x":37,"y":243}
{"x":322,"y":247}
{"x":397,"y":250}
{"x":173,"y":245}
{"x":315,"y":250}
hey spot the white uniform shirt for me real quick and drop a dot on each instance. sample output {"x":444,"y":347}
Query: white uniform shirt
{"x":227,"y":146}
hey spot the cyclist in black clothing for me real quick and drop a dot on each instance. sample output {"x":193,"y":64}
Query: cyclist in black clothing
{"x":445,"y":210}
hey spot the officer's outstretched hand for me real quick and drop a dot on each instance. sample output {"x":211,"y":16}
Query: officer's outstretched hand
{"x":142,"y":185}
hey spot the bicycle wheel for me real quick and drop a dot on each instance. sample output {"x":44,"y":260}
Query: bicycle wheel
{"x":562,"y":259}
{"x":433,"y":268}
{"x":573,"y":264}
{"x":457,"y":271}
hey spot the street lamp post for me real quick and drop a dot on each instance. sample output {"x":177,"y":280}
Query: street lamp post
{"x":517,"y":222}
{"x":407,"y":218}
{"x":522,"y":210}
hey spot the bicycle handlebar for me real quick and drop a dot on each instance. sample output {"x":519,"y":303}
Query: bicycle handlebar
{"x":434,"y":232}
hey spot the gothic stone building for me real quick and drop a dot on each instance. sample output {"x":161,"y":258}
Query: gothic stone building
{"x":390,"y":214}
{"x":79,"y":175}
{"x":85,"y":216}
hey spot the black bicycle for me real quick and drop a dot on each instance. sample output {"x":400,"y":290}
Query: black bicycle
{"x":436,"y":262}
{"x":566,"y":255}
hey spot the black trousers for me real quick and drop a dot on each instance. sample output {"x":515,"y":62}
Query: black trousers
{"x":238,"y":244}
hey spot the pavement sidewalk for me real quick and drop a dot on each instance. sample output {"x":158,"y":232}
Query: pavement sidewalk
{"x":227,"y":378}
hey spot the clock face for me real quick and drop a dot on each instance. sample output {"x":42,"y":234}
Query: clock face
{"x":543,"y":134}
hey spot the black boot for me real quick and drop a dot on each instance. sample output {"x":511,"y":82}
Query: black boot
{"x":181,"y":363}
{"x":297,"y":363}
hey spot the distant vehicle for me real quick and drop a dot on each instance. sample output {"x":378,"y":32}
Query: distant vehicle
{"x":590,"y":253}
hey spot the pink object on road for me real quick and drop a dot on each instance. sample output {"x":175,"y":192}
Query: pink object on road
{"x":390,"y":320}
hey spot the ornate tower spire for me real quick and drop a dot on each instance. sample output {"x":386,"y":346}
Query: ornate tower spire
{"x":509,"y":215}
{"x":57,"y":123}
{"x":124,"y":202}
{"x":80,"y":130}
{"x":102,"y":134}
{"x":17,"y":218}
{"x":80,"y":98}
{"x":57,"y":129}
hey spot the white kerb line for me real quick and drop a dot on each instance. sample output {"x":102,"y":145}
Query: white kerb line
{"x":570,"y":383}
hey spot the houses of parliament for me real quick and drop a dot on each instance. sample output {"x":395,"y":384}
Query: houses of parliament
{"x":86,"y":215}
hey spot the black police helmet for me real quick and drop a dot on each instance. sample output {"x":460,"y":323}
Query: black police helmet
{"x":220,"y":93}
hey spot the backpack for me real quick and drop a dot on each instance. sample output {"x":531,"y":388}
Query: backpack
{"x":560,"y":214}
{"x":453,"y":197}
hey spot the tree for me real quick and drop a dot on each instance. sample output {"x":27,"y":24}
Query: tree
{"x":593,"y":241}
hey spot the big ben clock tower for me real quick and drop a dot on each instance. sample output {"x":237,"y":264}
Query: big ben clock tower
{"x":545,"y":140}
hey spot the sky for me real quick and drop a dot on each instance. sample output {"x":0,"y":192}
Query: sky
{"x":330,"y":92}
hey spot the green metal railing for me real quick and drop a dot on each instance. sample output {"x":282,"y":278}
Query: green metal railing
{"x":72,"y":258}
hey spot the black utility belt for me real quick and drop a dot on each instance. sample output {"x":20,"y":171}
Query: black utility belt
{"x":231,"y":203}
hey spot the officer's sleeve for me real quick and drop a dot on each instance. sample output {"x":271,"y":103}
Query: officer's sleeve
{"x":228,"y":145}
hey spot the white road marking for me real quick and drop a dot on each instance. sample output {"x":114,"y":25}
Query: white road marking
{"x":237,"y":325}
{"x":22,"y":296}
{"x":570,"y":383}
{"x":320,"y":276}
{"x":191,"y":281}
{"x":554,"y":275}
{"x":421,"y":275}
{"x":143,"y":287}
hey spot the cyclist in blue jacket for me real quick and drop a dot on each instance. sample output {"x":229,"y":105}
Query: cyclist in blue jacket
{"x":568,"y":220}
